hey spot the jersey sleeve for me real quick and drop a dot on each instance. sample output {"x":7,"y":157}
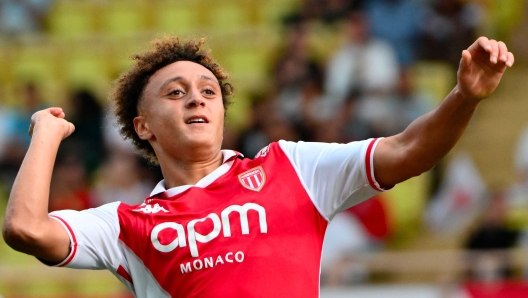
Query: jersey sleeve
{"x":93,"y":236}
{"x":336,"y":176}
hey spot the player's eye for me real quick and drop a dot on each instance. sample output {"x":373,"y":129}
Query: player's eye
{"x":209,"y":91}
{"x":176,"y":92}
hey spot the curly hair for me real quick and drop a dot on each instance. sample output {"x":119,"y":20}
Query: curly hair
{"x":128,"y":88}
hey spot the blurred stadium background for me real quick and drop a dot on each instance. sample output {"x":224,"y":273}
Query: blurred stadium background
{"x":458,"y":231}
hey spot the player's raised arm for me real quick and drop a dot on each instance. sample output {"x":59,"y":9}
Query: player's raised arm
{"x":27,"y":227}
{"x":430,"y":137}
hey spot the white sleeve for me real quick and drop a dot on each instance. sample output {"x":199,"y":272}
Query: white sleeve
{"x":93,"y":236}
{"x":336,"y":176}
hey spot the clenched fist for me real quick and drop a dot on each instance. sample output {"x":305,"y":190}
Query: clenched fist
{"x":52,"y":122}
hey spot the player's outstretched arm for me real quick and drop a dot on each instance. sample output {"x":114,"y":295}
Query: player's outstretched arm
{"x":27,"y":227}
{"x":429,"y":138}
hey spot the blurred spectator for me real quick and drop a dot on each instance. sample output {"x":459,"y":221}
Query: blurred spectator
{"x":10,"y":162}
{"x":254,"y":139}
{"x":122,"y":178}
{"x":309,"y":10}
{"x":308,"y":110}
{"x":111,"y":136}
{"x":492,"y":234}
{"x":276,"y":128}
{"x":374,"y":217}
{"x":352,"y":127}
{"x":523,"y":243}
{"x":69,"y":185}
{"x":518,"y":194}
{"x":8,"y":170}
{"x":231,"y":139}
{"x":31,"y":101}
{"x":327,"y":131}
{"x":345,"y":240}
{"x":335,"y":10}
{"x":350,"y":234}
{"x":449,"y":27}
{"x":6,"y":122}
{"x":323,"y":122}
{"x":22,"y":16}
{"x":293,"y":63}
{"x":460,"y":198}
{"x":363,"y":63}
{"x":397,"y":22}
{"x":409,"y":104}
{"x":87,"y":116}
{"x":366,"y":66}
{"x":267,"y":126}
{"x":15,"y":127}
{"x":328,"y":11}
{"x":123,"y":175}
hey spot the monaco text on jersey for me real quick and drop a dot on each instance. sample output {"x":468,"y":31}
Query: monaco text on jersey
{"x":219,"y":223}
{"x":210,"y":262}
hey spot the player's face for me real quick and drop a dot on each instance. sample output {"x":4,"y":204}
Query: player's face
{"x":182,"y":108}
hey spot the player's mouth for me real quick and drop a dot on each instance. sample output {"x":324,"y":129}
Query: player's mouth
{"x":198,"y":119}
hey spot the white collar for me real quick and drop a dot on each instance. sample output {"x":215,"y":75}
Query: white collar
{"x":204,"y":182}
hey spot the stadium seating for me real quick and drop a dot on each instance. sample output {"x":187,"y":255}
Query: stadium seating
{"x":124,"y":18}
{"x":175,"y":19}
{"x":72,"y":19}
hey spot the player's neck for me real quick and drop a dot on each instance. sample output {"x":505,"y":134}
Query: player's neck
{"x":188,"y":171}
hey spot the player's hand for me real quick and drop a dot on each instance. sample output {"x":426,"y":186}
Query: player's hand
{"x":51,"y":121}
{"x":482,"y":66}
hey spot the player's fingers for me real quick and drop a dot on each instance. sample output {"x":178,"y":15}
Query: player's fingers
{"x":466,"y":58}
{"x":483,"y":43}
{"x":494,"y":54}
{"x":503,"y":52}
{"x":510,"y":60}
{"x":71,"y":128}
{"x":57,"y":112}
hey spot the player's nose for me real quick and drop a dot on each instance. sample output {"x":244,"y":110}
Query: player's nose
{"x":194,"y":100}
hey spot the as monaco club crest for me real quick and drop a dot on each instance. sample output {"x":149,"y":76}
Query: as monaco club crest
{"x":253,"y":179}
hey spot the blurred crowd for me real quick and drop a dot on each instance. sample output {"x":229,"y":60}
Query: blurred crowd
{"x":364,"y":89}
{"x":23,"y":16}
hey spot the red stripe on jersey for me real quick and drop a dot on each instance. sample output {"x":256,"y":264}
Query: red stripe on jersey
{"x":124,"y":274}
{"x":74,"y":240}
{"x":370,"y":171}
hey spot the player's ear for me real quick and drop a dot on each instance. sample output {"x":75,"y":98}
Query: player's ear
{"x":142,"y":128}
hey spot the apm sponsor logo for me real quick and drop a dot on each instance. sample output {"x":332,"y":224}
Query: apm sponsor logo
{"x":220,"y":223}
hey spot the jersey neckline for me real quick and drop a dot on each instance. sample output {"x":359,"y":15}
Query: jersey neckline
{"x":228,"y":157}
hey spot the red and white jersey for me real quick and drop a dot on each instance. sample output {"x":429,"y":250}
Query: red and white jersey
{"x":251,"y":228}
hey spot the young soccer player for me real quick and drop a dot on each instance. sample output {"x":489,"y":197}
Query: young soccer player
{"x":220,"y":224}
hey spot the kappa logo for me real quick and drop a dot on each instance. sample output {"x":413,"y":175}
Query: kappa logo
{"x":253,"y":179}
{"x":146,"y":208}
